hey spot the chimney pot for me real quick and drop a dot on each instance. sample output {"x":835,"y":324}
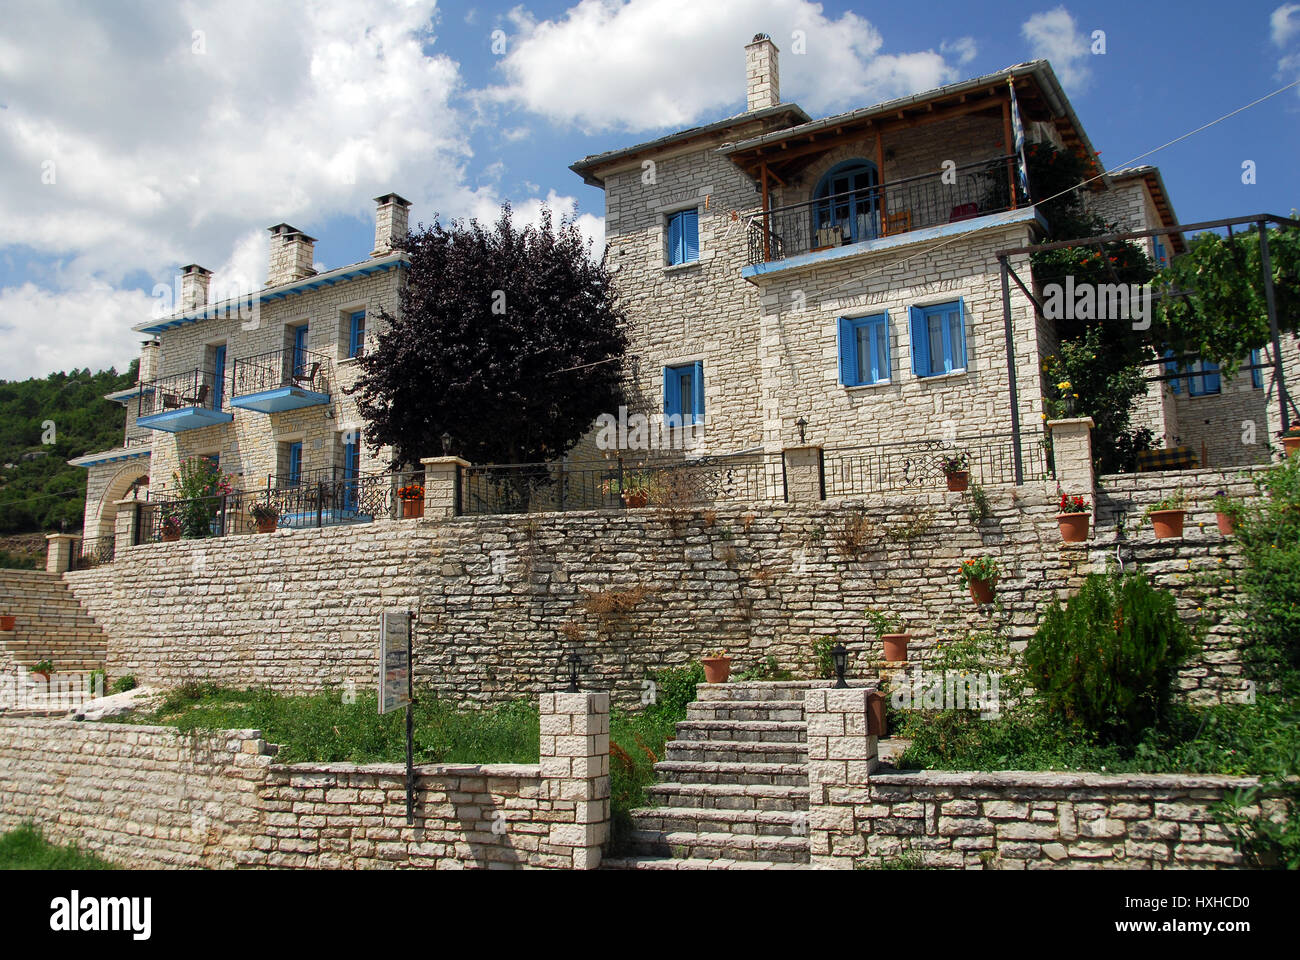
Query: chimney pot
{"x":762,"y":73}
{"x":292,"y":255}
{"x":194,"y":286}
{"x":390,"y":222}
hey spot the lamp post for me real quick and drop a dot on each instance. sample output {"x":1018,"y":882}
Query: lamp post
{"x":573,"y":660}
{"x":446,"y":443}
{"x":802,"y":424}
{"x":841,"y":657}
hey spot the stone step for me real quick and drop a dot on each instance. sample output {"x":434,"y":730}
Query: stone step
{"x":787,"y":690}
{"x":779,"y":710}
{"x":730,"y":796}
{"x":687,"y":845}
{"x":763,"y":731}
{"x":732,"y":773}
{"x":670,"y":863}
{"x":764,"y":823}
{"x":737,"y":751}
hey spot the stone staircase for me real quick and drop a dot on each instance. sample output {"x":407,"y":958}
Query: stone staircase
{"x":50,"y":625}
{"x":733,"y":791}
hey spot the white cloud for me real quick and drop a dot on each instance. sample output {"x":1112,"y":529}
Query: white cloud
{"x":1055,"y":35}
{"x":603,"y":65}
{"x":963,"y":47}
{"x":1285,"y":23}
{"x":592,"y":228}
{"x":89,"y":326}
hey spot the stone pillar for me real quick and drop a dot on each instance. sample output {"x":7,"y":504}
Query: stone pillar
{"x":803,"y":474}
{"x":841,"y":756}
{"x":575,"y":775}
{"x":124,"y":526}
{"x":441,"y":493}
{"x":1072,"y":455}
{"x":58,"y":551}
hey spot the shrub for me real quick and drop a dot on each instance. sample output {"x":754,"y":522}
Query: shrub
{"x":823,"y":659}
{"x":1269,"y":537}
{"x":123,"y":684}
{"x":1107,"y":660}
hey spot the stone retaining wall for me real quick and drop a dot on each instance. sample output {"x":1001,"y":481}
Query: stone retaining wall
{"x":152,"y":797}
{"x":500,"y":600}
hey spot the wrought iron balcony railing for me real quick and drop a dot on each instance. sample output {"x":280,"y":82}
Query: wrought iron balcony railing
{"x":279,"y":369}
{"x":886,"y":210}
{"x":197,"y":388}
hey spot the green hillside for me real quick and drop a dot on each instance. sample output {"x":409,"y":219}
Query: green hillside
{"x":38,"y":490}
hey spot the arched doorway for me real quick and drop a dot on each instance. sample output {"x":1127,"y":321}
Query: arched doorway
{"x":131,"y":477}
{"x":846,"y":204}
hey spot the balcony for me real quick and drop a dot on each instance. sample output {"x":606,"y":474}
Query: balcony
{"x":183,"y":401}
{"x":279,"y":380}
{"x":865,"y":216}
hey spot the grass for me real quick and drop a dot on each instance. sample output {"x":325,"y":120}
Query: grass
{"x":25,"y":848}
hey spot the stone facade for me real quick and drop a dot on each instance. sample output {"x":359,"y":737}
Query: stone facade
{"x":1018,"y":820}
{"x":152,"y":797}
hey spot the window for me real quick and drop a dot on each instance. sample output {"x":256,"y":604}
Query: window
{"x":218,"y":376}
{"x":1256,"y":376}
{"x":684,"y":394}
{"x":1202,"y":377}
{"x":357,"y":333}
{"x":846,"y":207}
{"x":864,"y":350}
{"x":684,"y":237}
{"x":351,"y":468}
{"x":938,"y":339}
{"x":1161,"y":257}
{"x":294,"y":453}
{"x":299,"y":335}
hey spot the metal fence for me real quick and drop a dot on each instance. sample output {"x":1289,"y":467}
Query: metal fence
{"x":912,"y":203}
{"x":619,"y":484}
{"x":193,"y":388}
{"x":92,"y":551}
{"x":918,"y":464}
{"x":277,"y":369}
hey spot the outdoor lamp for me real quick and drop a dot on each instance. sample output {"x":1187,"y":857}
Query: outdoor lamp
{"x":446,"y":443}
{"x":841,"y":658}
{"x":573,"y":660}
{"x":802,"y":424}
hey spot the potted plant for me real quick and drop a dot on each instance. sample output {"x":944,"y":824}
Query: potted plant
{"x":890,"y":630}
{"x":957,"y":472}
{"x":1227,"y":512}
{"x":171,"y":527}
{"x":266,"y":516}
{"x":635,"y":488}
{"x":7,"y":621}
{"x":876,"y":721}
{"x":717,"y":667}
{"x":1167,"y":515}
{"x":1291,"y":438}
{"x":1072,"y":517}
{"x":412,"y":497}
{"x":43,"y":669}
{"x":981,"y":575}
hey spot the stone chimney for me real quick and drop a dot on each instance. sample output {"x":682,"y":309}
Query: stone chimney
{"x":149,"y":360}
{"x":291,"y":255}
{"x":762,"y":73}
{"x":390,"y":222}
{"x":194,"y":286}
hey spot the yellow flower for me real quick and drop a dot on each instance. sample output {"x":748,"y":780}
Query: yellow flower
{"x":1063,"y":385}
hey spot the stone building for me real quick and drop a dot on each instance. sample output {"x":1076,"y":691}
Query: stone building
{"x":835,"y":282}
{"x":254,"y":381}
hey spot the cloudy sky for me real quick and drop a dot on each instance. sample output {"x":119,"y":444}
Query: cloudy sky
{"x":137,"y":136}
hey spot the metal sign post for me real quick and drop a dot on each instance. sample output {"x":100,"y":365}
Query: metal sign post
{"x":396,"y":685}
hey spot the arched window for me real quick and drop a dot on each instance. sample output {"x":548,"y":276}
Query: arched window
{"x":845,"y":207}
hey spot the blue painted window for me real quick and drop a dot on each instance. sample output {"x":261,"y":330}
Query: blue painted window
{"x":684,"y":393}
{"x":938,"y":338}
{"x":864,"y":350}
{"x":1201,"y":377}
{"x":300,"y":350}
{"x":351,"y":468}
{"x":295,"y":463}
{"x":846,"y":204}
{"x":1256,"y":376}
{"x":357,"y":334}
{"x":1162,"y":257}
{"x":218,"y":376}
{"x":684,"y":237}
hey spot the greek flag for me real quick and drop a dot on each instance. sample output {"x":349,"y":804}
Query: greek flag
{"x":1018,"y":129}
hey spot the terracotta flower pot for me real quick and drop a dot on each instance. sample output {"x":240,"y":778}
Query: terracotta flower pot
{"x":412,"y":508}
{"x":636,"y":498}
{"x":876,"y":725}
{"x":981,"y":591}
{"x":1292,"y":444}
{"x":1073,"y":526}
{"x":1168,"y":524}
{"x":7,"y":622}
{"x":1226,"y":524}
{"x":169,"y":536}
{"x":267,"y":526}
{"x":716,"y":669}
{"x":895,"y":646}
{"x":959,"y":481}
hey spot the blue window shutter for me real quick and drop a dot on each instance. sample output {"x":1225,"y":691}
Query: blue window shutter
{"x":675,"y":252}
{"x":357,"y":334}
{"x":690,"y":235}
{"x":1210,"y":377}
{"x":1172,"y":367}
{"x":219,"y":377}
{"x":848,"y":353}
{"x":920,"y":342}
{"x":699,"y":393}
{"x":959,"y":337}
{"x":1256,"y":376}
{"x":295,"y":462}
{"x":880,"y":349}
{"x":672,"y":393}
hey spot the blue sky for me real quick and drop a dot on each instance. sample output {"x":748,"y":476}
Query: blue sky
{"x":179,"y":134}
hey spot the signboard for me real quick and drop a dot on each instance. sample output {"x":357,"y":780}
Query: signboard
{"x":394,"y":660}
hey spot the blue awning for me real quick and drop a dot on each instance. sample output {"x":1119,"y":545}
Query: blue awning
{"x":281,"y":398}
{"x":186,"y":418}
